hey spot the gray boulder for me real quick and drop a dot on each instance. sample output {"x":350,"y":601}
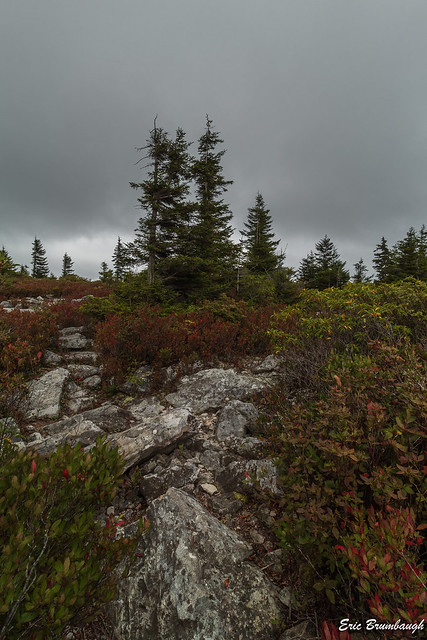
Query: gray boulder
{"x":161,"y":434}
{"x":272,"y":363}
{"x":49,"y":357}
{"x":82,"y":370}
{"x":213,"y":388}
{"x":239,"y":475}
{"x":72,"y":338}
{"x":83,"y":356}
{"x":108,"y":418}
{"x":84,"y":431}
{"x":44,"y":394}
{"x":70,"y":331}
{"x":177,"y":475}
{"x":79,"y":400}
{"x":234,"y":419}
{"x":193,"y":581}
{"x":147,"y":408}
{"x":92,"y":382}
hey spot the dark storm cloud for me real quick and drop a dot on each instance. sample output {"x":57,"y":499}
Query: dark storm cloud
{"x":322,"y":107}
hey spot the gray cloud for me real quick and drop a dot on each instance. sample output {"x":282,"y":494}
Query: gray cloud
{"x":322,"y":107}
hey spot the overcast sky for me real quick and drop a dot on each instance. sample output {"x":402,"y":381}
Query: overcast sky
{"x":322,"y":105}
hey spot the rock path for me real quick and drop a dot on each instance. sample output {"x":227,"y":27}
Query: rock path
{"x":191,"y":456}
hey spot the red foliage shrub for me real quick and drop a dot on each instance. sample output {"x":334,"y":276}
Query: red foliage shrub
{"x":68,"y":314}
{"x":23,"y":287}
{"x":39,"y":329}
{"x":147,"y":337}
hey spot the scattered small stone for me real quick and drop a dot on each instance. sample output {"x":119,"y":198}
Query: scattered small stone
{"x":92,"y":382}
{"x":49,"y":357}
{"x":256,"y":537}
{"x":210,"y":489}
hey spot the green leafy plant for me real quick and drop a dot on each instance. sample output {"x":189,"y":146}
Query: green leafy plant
{"x":57,"y":561}
{"x":351,"y":451}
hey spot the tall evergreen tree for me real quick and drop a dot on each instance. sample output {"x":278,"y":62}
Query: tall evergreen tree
{"x":360,"y":272}
{"x":323,"y":268}
{"x":330,"y":271}
{"x":259,"y":247}
{"x":105,"y":274}
{"x":7,"y":266}
{"x":212,"y":233}
{"x":383,"y":261}
{"x":40,"y":268}
{"x":164,"y":200}
{"x":119,"y":260}
{"x":422,"y":253}
{"x":408,"y":258}
{"x":307,"y":270}
{"x":67,"y":265}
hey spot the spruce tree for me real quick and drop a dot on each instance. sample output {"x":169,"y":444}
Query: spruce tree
{"x":383,"y":261}
{"x":330,"y":271}
{"x":307,"y":270}
{"x":67,"y":265}
{"x":7,"y":266}
{"x":360,"y":272}
{"x":176,"y":268}
{"x":323,"y":268}
{"x":407,"y":256}
{"x":40,"y":268}
{"x":422,"y":253}
{"x":212,"y":233}
{"x":119,"y":260}
{"x":259,"y":247}
{"x":106,"y":274}
{"x":163,"y":199}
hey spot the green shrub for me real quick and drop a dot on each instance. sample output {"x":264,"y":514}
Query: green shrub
{"x":99,"y":308}
{"x":352,"y":450}
{"x":57,"y":561}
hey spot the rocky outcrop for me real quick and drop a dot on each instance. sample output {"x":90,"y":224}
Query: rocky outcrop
{"x":160,"y":434}
{"x":73,"y":338}
{"x":83,"y":431}
{"x":193,"y":582}
{"x":44,"y":394}
{"x":211,"y":389}
{"x":235,"y":419}
{"x":185,"y":452}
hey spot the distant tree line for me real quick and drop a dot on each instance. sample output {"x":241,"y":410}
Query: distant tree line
{"x":183,"y":239}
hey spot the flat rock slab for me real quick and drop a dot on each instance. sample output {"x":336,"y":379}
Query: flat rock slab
{"x":83,"y":356}
{"x":213,"y":388}
{"x":161,"y":434}
{"x":92,"y":382}
{"x":74,"y":341}
{"x":70,"y":331}
{"x":85,"y":432}
{"x":82,"y":370}
{"x":147,"y":408}
{"x":153,"y":485}
{"x":44,"y":394}
{"x":193,"y":581}
{"x":49,"y":357}
{"x":108,"y":418}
